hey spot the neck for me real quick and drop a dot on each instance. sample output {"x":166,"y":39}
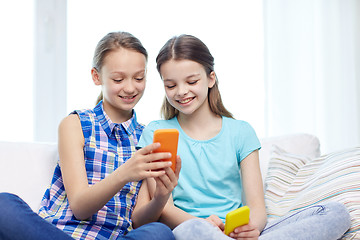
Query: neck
{"x":200,"y":125}
{"x":196,"y":119}
{"x":117,"y":115}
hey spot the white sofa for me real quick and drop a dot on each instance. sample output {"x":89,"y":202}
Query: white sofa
{"x":26,"y":170}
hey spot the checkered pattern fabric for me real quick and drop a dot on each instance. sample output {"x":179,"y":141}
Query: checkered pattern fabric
{"x":107,"y":146}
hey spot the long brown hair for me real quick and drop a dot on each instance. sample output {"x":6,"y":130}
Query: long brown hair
{"x":191,"y":48}
{"x":113,"y":41}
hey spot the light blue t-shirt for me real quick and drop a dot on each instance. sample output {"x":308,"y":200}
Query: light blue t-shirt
{"x":209,"y":181}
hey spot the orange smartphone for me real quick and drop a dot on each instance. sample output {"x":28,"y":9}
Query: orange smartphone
{"x":236,"y":218}
{"x":168,"y":138}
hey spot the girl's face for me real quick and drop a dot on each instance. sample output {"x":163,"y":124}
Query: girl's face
{"x":122,"y":77}
{"x":186,"y":85}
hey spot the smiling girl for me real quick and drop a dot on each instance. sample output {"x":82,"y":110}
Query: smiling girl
{"x":96,"y":182}
{"x":220,"y":160}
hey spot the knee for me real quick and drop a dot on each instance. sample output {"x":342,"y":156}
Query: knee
{"x":162,"y":230}
{"x":340,"y":212}
{"x":191,"y":225}
{"x":7,"y":204}
{"x":10,"y":203}
{"x":337,"y":209}
{"x":7,"y":200}
{"x":196,"y":222}
{"x":6,"y":195}
{"x":197,"y":229}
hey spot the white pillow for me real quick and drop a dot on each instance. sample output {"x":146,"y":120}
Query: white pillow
{"x":294,"y":182}
{"x":301,"y":144}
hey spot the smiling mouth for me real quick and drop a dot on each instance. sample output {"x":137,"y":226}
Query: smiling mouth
{"x":186,"y":100}
{"x":128,"y":97}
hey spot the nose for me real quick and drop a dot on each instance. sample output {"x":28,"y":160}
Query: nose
{"x":182,"y":90}
{"x":129,"y":87}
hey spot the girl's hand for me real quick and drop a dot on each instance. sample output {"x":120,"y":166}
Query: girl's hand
{"x":154,"y":196}
{"x":216,"y":221}
{"x":144,"y":164}
{"x":166,"y":183}
{"x":247,"y":231}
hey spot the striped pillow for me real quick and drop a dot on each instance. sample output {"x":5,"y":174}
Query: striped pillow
{"x":294,"y":182}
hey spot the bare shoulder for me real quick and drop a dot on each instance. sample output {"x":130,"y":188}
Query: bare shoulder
{"x":70,"y":128}
{"x":70,"y":121}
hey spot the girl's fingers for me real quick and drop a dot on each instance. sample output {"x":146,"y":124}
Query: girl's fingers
{"x":150,"y":156}
{"x":154,"y":174}
{"x":245,"y":231}
{"x":178,"y":166}
{"x":165,"y":181}
{"x":158,"y":165}
{"x":157,"y":156}
{"x":149,"y":148}
{"x":245,"y":228}
{"x":159,"y":182}
{"x":216,"y":221}
{"x":245,"y":235}
{"x":171,"y":175}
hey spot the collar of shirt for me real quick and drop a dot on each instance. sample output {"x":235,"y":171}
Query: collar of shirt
{"x":128,"y":126}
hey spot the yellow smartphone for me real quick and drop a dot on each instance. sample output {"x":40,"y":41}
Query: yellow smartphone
{"x":168,"y":138}
{"x":236,"y":218}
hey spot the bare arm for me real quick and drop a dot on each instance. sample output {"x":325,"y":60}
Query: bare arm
{"x":254,"y":195}
{"x":163,"y":211}
{"x":172,"y":216}
{"x":154,"y":200}
{"x":253,"y":188}
{"x":86,"y":200}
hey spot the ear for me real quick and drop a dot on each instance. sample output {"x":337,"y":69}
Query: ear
{"x":95,"y":76}
{"x":212,"y":79}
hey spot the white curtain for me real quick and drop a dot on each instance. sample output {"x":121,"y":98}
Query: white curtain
{"x":312,"y":70}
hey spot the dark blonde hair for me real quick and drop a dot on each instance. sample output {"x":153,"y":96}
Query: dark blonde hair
{"x":191,"y":48}
{"x":113,"y":41}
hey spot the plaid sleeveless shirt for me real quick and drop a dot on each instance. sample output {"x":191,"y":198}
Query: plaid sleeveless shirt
{"x":107,"y":146}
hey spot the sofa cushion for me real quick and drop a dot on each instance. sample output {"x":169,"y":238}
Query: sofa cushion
{"x":306,"y":145}
{"x":294,"y":182}
{"x":26,"y":169}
